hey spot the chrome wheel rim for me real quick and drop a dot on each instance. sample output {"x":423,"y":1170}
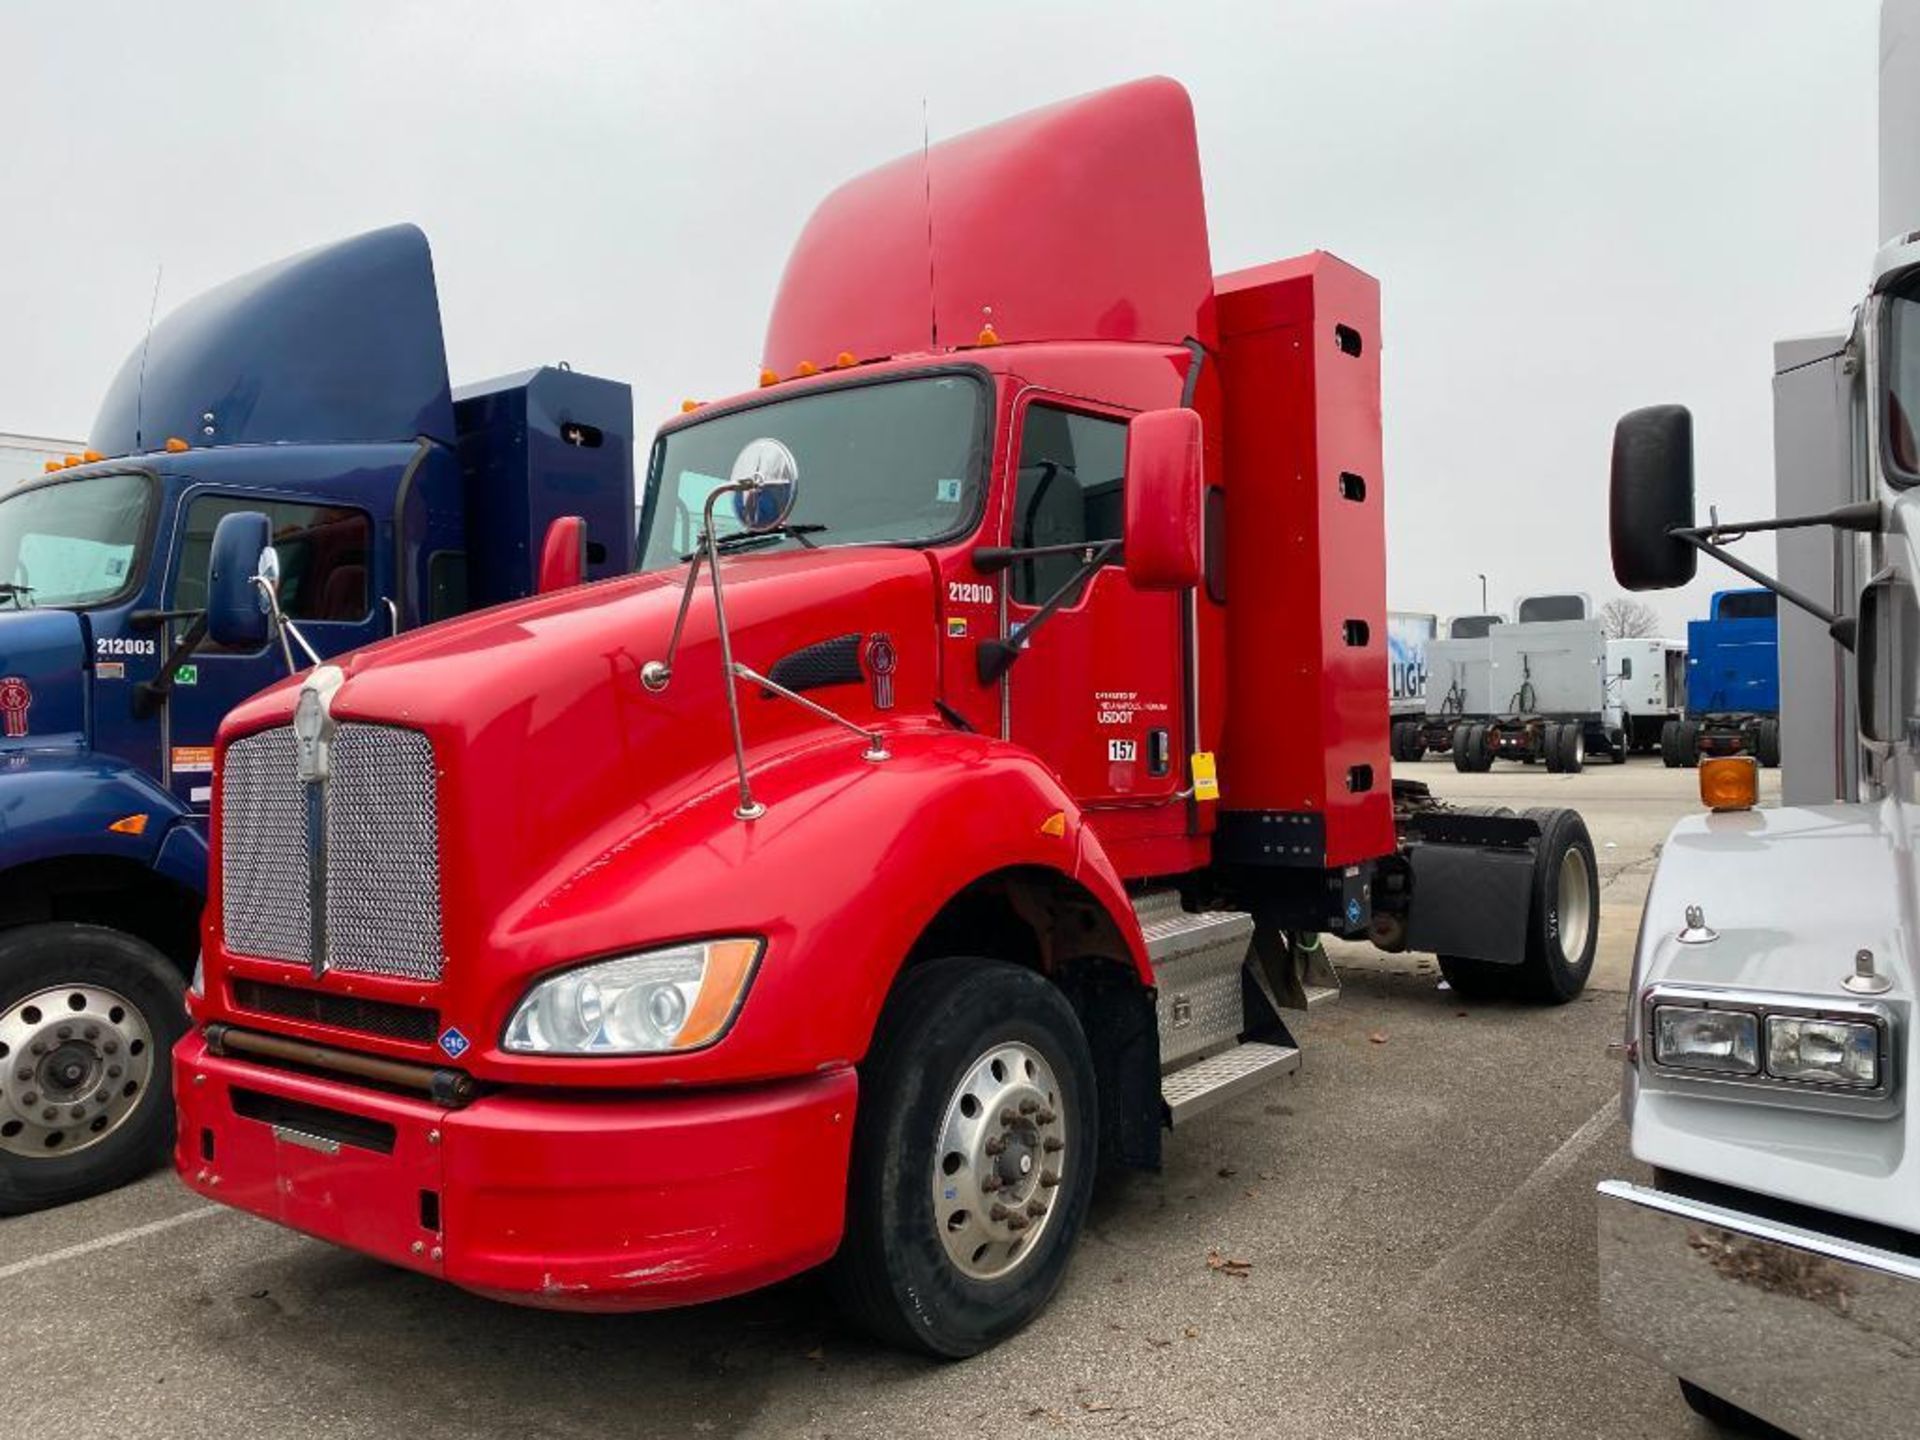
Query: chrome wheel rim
{"x":75,"y":1062}
{"x":999,"y":1161}
{"x":1575,"y":905}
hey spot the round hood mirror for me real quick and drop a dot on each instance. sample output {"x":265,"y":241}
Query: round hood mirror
{"x":769,"y":481}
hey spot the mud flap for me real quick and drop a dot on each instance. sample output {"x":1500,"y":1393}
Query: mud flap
{"x":1470,"y":901}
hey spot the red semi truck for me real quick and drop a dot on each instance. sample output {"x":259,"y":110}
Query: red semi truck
{"x":850,"y":882}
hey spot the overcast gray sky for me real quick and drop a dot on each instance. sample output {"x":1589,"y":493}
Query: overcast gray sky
{"x":1574,"y":208}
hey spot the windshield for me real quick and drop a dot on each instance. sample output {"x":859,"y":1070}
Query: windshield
{"x":1903,"y":388}
{"x":899,"y":463}
{"x":72,"y":543}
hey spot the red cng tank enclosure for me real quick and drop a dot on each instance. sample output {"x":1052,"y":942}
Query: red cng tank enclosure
{"x":1307,"y":707}
{"x":1080,"y":221}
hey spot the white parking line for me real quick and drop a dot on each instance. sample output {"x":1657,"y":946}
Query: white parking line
{"x":1483,"y":1237}
{"x":106,"y":1242}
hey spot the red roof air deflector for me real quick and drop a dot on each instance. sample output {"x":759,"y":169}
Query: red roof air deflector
{"x":1081,"y":221}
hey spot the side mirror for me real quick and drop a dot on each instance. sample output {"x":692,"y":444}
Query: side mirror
{"x":563,"y":555}
{"x":1652,"y":494}
{"x":237,"y":615}
{"x":767,"y":481}
{"x":1162,"y":493}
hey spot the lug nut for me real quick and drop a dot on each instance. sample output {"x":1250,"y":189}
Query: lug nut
{"x":1044,"y":1117}
{"x":994,"y":1146}
{"x":991,"y":1183}
{"x":92,"y":1032}
{"x":65,"y":1032}
{"x":79,"y":1112}
{"x":998,"y":1212}
{"x":112,"y":1047}
{"x":1008,"y":1117}
{"x":38,"y":1047}
{"x":49,"y":1113}
{"x":1049,"y":1178}
{"x":113,"y":1072}
{"x":1053,"y":1144}
{"x":1018,"y":1222}
{"x":1029,"y":1105}
{"x":32,"y":1097}
{"x":1036,"y":1207}
{"x":25,"y":1072}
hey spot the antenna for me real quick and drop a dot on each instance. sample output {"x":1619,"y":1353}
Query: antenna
{"x":140,"y":401}
{"x":926,"y":171}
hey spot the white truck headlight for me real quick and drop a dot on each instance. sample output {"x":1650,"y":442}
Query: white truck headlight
{"x":1824,"y":1052}
{"x":1725,"y":1042}
{"x":678,"y":998}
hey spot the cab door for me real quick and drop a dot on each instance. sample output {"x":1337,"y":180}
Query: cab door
{"x":1097,"y":691}
{"x":333,"y":574}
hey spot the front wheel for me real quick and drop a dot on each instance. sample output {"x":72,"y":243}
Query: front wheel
{"x":1670,"y":745}
{"x":88,"y":1017}
{"x":1766,"y":743}
{"x":974,"y":1154}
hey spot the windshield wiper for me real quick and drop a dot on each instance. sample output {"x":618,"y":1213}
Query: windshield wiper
{"x":13,"y":592}
{"x":754,"y":539}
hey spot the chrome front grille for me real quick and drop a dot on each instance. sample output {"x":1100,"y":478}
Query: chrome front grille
{"x":382,"y":864}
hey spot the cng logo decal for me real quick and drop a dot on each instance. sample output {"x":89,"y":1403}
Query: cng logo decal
{"x":16,"y":698}
{"x":881,"y":658}
{"x":453,"y":1042}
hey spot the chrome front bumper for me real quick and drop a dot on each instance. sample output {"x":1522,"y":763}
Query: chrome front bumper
{"x":1819,"y":1336}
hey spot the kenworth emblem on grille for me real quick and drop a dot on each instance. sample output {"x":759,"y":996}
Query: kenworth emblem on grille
{"x":313,"y":731}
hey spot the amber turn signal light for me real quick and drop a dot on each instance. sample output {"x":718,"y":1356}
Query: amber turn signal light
{"x":175,"y":445}
{"x":1730,"y":782}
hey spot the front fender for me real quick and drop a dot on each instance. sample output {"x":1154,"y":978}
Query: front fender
{"x":58,"y":804}
{"x":1792,"y":894}
{"x":849,"y":865}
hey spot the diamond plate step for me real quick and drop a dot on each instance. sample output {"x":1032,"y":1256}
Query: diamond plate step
{"x":1197,"y":958}
{"x":1201,"y":1086}
{"x":1318,"y":995}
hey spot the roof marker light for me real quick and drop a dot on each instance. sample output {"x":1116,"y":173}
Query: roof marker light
{"x":687,"y":407}
{"x":176,"y":446}
{"x":845,"y":360}
{"x":767,"y":377}
{"x":91,"y":455}
{"x":67,"y":462}
{"x":807,"y":367}
{"x":987,"y":336}
{"x":50,"y":466}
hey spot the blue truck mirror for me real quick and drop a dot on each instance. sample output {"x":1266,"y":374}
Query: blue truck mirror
{"x":235,"y":617}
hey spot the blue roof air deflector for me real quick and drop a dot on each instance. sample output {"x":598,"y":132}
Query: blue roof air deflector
{"x":339,"y":344}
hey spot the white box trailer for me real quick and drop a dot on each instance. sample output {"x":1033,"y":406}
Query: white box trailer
{"x":22,"y":457}
{"x":1457,"y":688}
{"x":1409,"y":634}
{"x":1647,"y":681}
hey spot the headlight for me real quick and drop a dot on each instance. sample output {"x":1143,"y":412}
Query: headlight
{"x":674,"y":999}
{"x":1826,"y":1052}
{"x":1726,"y":1042}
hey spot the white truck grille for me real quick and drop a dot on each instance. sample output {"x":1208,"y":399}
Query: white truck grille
{"x":382,"y":860}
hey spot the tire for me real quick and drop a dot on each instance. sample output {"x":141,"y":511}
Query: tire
{"x":1563,"y":923}
{"x":899,"y":1272}
{"x":107,"y":1009}
{"x":1407,"y":742}
{"x":1550,"y":749}
{"x":1670,"y":745}
{"x":1618,"y":755}
{"x":1726,"y":1415}
{"x":1573,"y":748}
{"x":1690,"y":744}
{"x":1463,"y":749}
{"x":1478,"y":979}
{"x":1483,"y":751}
{"x":1766,"y":744}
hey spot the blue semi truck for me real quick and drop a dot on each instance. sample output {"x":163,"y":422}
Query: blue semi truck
{"x":1733,"y":683}
{"x":314,"y":390}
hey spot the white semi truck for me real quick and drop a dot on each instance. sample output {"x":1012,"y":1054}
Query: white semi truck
{"x":1770,"y":1257}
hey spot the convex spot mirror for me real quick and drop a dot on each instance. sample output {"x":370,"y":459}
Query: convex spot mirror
{"x":768,"y":478}
{"x":1162,"y":498}
{"x":1652,"y":494}
{"x":240,"y":563}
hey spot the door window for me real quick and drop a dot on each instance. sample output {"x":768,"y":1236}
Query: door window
{"x":1067,"y":493}
{"x":324,"y":554}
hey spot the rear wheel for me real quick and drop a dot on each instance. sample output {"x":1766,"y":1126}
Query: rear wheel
{"x":1563,"y":929}
{"x":1463,"y":748}
{"x":1573,"y":747}
{"x":88,"y":1018}
{"x":1670,"y":745}
{"x":974,"y":1153}
{"x":1551,"y":749}
{"x":1619,"y":742}
{"x":1766,"y":743}
{"x":1690,"y":744}
{"x":1483,"y":751}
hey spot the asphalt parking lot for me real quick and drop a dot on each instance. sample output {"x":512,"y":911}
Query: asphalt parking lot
{"x":1413,"y":1212}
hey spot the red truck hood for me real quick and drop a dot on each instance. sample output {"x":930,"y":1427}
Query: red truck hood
{"x":551,"y":752}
